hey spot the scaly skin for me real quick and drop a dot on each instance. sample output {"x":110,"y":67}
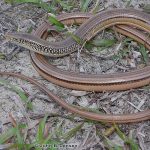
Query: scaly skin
{"x":95,"y":82}
{"x":85,"y":32}
{"x":111,"y":82}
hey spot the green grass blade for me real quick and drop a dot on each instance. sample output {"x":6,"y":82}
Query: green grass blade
{"x":7,"y":135}
{"x":19,"y":92}
{"x":120,"y":133}
{"x":58,"y":129}
{"x":72,"y":132}
{"x":127,"y":40}
{"x":39,"y":3}
{"x":84,"y":5}
{"x":108,"y":143}
{"x":23,"y":1}
{"x":64,"y":5}
{"x":117,"y":148}
{"x":103,"y":42}
{"x":76,"y":38}
{"x":19,"y":139}
{"x":40,"y":132}
{"x":127,"y":140}
{"x":14,"y":132}
{"x":55,"y":22}
{"x":27,"y":1}
{"x":40,"y":139}
{"x":132,"y":144}
{"x":144,"y":54}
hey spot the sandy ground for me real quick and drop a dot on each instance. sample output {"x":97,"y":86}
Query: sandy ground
{"x":22,"y":18}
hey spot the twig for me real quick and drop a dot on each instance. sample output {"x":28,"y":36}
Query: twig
{"x":13,"y":121}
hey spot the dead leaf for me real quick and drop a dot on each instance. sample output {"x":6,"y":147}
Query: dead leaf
{"x":78,"y":93}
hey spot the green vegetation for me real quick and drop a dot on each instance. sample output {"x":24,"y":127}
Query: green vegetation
{"x":18,"y":134}
{"x":21,"y":94}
